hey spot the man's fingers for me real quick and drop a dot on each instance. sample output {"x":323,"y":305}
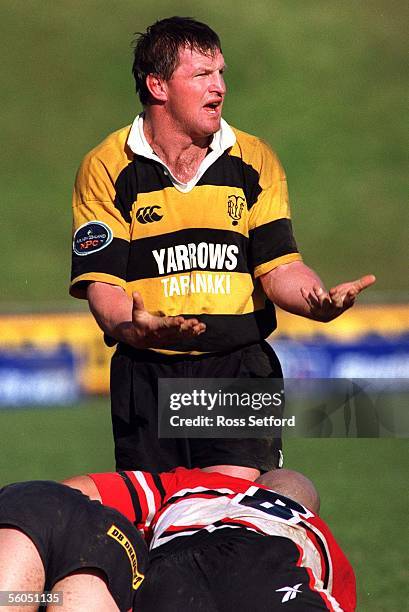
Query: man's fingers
{"x":306,"y":296}
{"x":322,"y":296}
{"x":137,"y":301}
{"x":365,"y":281}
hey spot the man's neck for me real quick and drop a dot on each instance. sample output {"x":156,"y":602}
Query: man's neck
{"x":181,"y":153}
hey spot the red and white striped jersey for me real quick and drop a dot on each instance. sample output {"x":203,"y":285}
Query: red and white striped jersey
{"x":178,"y":504}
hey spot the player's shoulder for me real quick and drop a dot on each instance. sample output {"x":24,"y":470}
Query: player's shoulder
{"x":113,"y":153}
{"x":255,"y":152}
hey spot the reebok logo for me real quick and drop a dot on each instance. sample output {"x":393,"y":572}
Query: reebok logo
{"x":289,"y":592}
{"x":147,"y":214}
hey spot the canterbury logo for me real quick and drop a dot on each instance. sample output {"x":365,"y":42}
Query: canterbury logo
{"x":289,"y":592}
{"x":148,"y":214}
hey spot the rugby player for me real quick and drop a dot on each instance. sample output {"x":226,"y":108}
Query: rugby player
{"x":217,"y":543}
{"x":221,"y":543}
{"x":183,"y":244}
{"x":62,"y":550}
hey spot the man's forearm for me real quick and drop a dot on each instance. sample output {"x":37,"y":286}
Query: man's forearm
{"x":283,"y":287}
{"x":112,"y":310}
{"x":299,"y":290}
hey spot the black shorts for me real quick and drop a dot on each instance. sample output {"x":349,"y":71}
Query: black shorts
{"x":229,"y":571}
{"x":71,"y":533}
{"x":134,"y":394}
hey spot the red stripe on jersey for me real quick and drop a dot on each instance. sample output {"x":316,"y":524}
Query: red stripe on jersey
{"x":343,"y":577}
{"x":114,"y":493}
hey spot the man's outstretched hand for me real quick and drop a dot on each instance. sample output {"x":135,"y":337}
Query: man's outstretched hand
{"x":153,"y":331}
{"x":328,"y":305}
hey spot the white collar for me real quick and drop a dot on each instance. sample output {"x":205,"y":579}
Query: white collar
{"x":223,"y":139}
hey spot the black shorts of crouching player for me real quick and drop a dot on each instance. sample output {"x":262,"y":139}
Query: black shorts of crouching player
{"x":229,"y":570}
{"x":72,"y":533}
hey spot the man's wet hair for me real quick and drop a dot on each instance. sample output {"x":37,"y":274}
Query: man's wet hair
{"x":157,"y":50}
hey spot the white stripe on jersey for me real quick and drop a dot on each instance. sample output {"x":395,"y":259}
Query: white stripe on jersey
{"x":150,"y":499}
{"x":322,"y":539}
{"x":202,"y":490}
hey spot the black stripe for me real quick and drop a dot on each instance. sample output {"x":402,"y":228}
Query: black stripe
{"x":142,"y":175}
{"x":156,"y":479}
{"x":112,"y":259}
{"x":188,"y":494}
{"x":224,"y":333}
{"x":323,"y":551}
{"x":145,"y":175}
{"x":230,"y":332}
{"x":142,"y":263}
{"x":272,"y":240}
{"x":231,"y":171}
{"x":134,"y":497}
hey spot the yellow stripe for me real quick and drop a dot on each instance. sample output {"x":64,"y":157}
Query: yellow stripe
{"x":160,"y":295}
{"x":189,"y":211}
{"x":274,"y":263}
{"x":94,"y":277}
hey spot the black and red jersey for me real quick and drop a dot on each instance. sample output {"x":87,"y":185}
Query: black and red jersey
{"x":181,"y":503}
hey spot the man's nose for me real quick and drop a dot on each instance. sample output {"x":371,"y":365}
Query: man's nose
{"x":218,"y":84}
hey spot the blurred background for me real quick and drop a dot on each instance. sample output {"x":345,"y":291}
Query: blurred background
{"x":326,"y":85}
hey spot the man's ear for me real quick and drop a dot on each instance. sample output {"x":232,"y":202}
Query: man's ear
{"x":157,"y":88}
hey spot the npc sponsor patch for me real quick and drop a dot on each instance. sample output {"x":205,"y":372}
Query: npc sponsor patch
{"x":91,"y":237}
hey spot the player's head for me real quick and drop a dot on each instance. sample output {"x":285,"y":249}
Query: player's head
{"x":157,"y":50}
{"x":294,"y":485}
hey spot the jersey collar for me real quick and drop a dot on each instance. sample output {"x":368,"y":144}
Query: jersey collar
{"x":222,"y":140}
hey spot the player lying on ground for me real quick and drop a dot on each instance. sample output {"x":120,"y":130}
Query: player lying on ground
{"x":248,"y":547}
{"x":220,"y":543}
{"x":53,"y":538}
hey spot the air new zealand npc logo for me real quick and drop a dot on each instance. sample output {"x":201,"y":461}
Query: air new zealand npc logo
{"x":147,"y":214}
{"x":235,"y":205}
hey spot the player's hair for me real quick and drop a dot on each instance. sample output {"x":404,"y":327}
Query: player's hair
{"x":157,"y":50}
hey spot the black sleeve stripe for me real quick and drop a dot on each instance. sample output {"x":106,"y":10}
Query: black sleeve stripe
{"x":134,"y":497}
{"x":111,"y":260}
{"x":272,"y":240}
{"x":158,"y":483}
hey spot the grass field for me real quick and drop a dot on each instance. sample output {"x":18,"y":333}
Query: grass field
{"x":363,"y":484}
{"x":324,"y":82}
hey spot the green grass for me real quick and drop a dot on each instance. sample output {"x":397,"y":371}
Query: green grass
{"x":325,"y":83}
{"x":363,"y":484}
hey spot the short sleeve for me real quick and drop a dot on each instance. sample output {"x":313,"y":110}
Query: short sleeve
{"x":101,"y":229}
{"x":271,"y":236}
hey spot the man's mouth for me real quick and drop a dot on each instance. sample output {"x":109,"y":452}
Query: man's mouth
{"x":213,"y":107}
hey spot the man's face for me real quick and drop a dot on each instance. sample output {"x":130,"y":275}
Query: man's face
{"x":196,"y":92}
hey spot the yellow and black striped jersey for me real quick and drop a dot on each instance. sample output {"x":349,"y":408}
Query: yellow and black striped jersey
{"x":196,"y":253}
